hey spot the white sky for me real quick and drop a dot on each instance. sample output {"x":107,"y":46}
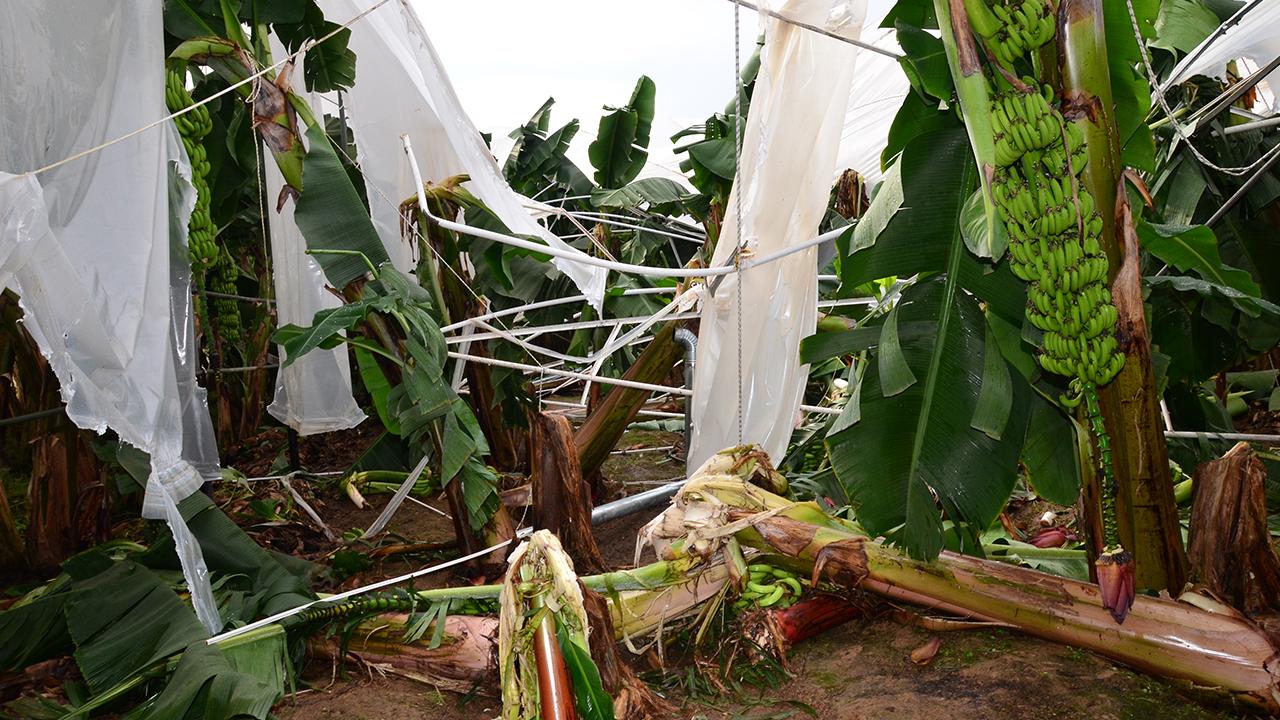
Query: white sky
{"x":505,"y":57}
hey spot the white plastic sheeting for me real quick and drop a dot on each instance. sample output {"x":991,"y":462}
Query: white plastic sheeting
{"x":86,"y":246}
{"x":1255,"y":37}
{"x":199,"y":444}
{"x":402,"y":89}
{"x":878,"y":89}
{"x":313,"y":394}
{"x":788,"y":159}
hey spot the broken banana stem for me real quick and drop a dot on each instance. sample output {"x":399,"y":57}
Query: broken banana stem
{"x":1168,"y":638}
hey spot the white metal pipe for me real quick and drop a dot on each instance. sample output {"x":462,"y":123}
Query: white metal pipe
{"x":564,"y":327}
{"x":542,"y":304}
{"x":1247,"y":437}
{"x":608,"y":380}
{"x":582,"y":406}
{"x":604,"y":220}
{"x":609,"y":322}
{"x":582,"y":258}
{"x":571,"y":374}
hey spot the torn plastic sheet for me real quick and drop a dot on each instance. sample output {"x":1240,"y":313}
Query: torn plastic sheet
{"x":788,"y":160}
{"x":403,"y":89}
{"x":1255,"y":37}
{"x":313,"y":393}
{"x":87,"y":246}
{"x":199,"y":444}
{"x":875,"y":96}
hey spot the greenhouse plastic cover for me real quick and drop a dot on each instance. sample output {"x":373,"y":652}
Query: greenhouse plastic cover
{"x":788,"y":159}
{"x":1255,"y":37}
{"x":402,"y":89}
{"x":313,"y":394}
{"x":86,"y":245}
{"x":878,"y":89}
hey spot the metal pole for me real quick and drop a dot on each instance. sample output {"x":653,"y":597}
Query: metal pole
{"x":687,"y":340}
{"x":635,"y":503}
{"x":29,"y":417}
{"x":1244,"y":189}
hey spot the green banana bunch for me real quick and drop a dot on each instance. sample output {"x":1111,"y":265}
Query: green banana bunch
{"x":769,"y":586}
{"x":373,"y":603}
{"x":212,"y":266}
{"x":1011,"y":28}
{"x":1023,"y":122}
{"x":396,"y":601}
{"x":1054,"y":231}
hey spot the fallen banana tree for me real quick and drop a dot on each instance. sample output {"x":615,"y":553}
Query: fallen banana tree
{"x":447,"y":637}
{"x":1194,"y":639}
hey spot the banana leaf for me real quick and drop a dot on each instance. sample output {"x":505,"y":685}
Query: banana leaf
{"x":929,"y":460}
{"x":332,"y":217}
{"x":660,"y":194}
{"x":266,"y":582}
{"x":621,"y":146}
{"x":1049,"y":454}
{"x":208,"y":685}
{"x":121,"y":620}
{"x":947,"y":418}
{"x":589,"y":697}
{"x":1195,"y":249}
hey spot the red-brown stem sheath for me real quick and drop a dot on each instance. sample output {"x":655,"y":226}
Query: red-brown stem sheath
{"x":554,"y":690}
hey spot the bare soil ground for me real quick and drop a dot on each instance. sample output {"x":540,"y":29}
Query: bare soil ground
{"x":859,"y":671}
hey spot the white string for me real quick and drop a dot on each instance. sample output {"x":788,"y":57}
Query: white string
{"x":1168,"y":111}
{"x":643,"y":270}
{"x":290,"y":58}
{"x":818,"y":30}
{"x":739,"y":129}
{"x":612,"y":219}
{"x":270,"y":619}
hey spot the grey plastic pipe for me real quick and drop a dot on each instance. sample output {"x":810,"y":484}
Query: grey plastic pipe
{"x":689,"y":341}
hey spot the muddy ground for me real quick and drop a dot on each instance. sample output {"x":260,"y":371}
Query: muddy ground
{"x":859,"y":671}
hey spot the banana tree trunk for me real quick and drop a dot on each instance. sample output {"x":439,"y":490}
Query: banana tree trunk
{"x":561,"y":497}
{"x":463,"y":661}
{"x":606,"y":423}
{"x":11,"y":557}
{"x":1172,"y":639}
{"x":1230,"y":545}
{"x":1147,"y":516}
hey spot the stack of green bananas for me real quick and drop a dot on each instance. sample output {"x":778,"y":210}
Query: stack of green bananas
{"x":401,"y":601}
{"x":1011,"y":28}
{"x":193,"y":126}
{"x":222,"y":279}
{"x":1023,"y":122}
{"x":207,"y":258}
{"x":814,"y":455}
{"x":1054,"y":232}
{"x":768,"y":586}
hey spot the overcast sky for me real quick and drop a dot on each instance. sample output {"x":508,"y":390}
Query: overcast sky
{"x":506,"y":57}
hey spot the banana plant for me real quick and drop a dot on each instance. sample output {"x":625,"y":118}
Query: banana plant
{"x":399,"y":328}
{"x":135,"y":638}
{"x":329,"y":212}
{"x":937,"y":397}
